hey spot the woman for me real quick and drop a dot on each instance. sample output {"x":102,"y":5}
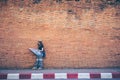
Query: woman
{"x":40,"y":53}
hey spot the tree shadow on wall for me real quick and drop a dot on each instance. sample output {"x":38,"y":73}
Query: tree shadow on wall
{"x":3,"y":3}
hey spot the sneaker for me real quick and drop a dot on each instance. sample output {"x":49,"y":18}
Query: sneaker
{"x":39,"y":68}
{"x":34,"y":68}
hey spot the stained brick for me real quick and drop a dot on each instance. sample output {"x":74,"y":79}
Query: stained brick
{"x":82,"y":39}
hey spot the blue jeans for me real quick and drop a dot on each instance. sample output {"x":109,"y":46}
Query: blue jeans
{"x":36,"y":1}
{"x":39,"y":63}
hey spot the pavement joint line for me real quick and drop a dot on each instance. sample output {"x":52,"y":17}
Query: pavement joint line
{"x":112,"y":75}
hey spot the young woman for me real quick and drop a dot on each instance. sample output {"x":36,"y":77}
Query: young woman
{"x":40,"y":54}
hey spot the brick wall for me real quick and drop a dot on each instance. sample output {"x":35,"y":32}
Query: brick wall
{"x":75,"y":35}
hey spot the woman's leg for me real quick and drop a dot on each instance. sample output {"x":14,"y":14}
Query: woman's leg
{"x":40,"y":63}
{"x":36,"y":64}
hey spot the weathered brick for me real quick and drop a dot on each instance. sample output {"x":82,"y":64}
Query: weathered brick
{"x":75,"y":34}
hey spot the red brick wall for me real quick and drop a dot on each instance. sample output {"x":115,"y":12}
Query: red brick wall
{"x":75,"y":35}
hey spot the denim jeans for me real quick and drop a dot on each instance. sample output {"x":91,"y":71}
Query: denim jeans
{"x":36,"y":1}
{"x":39,"y":63}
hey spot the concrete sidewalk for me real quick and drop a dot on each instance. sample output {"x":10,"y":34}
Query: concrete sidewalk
{"x":61,"y":74}
{"x":61,"y":70}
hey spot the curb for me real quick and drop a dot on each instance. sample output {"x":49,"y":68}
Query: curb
{"x":114,"y":75}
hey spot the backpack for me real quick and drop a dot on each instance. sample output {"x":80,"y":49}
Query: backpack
{"x":43,"y":54}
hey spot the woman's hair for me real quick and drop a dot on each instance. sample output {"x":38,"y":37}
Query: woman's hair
{"x":40,"y":45}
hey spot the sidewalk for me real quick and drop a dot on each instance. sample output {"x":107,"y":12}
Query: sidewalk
{"x":61,"y":74}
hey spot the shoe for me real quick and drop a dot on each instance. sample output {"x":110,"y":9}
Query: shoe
{"x":39,"y":68}
{"x":34,"y":68}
